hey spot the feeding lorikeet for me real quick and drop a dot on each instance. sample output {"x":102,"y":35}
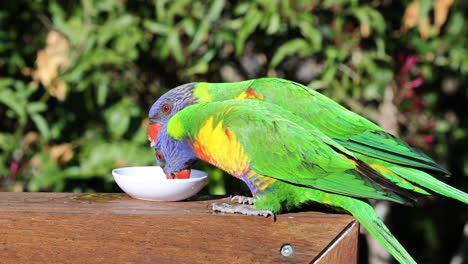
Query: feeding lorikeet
{"x":292,"y":145}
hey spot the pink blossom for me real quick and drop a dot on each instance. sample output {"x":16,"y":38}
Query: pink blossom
{"x":14,"y":166}
{"x":416,"y":83}
{"x":428,"y":141}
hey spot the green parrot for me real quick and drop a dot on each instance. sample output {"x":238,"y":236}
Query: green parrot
{"x":385,"y":153}
{"x":287,"y":156}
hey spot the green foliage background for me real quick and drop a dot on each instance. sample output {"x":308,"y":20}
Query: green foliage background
{"x":77,"y":79}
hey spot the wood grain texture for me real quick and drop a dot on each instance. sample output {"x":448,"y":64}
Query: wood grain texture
{"x":96,"y":228}
{"x":343,"y":249}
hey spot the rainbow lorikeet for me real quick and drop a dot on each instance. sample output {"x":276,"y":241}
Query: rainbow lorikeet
{"x":308,"y":150}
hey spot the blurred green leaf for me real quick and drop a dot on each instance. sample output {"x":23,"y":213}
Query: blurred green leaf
{"x":102,"y":91}
{"x":156,"y":28}
{"x":98,"y":159}
{"x":313,"y":35}
{"x":200,"y":34}
{"x":48,"y":177}
{"x":175,"y":46}
{"x":455,"y":24}
{"x":216,"y":183}
{"x":8,"y":98}
{"x":41,"y":124}
{"x":215,"y":10}
{"x":36,"y":107}
{"x":118,"y":117}
{"x":273,"y":24}
{"x":5,"y":141}
{"x":251,"y":21}
{"x":295,"y":46}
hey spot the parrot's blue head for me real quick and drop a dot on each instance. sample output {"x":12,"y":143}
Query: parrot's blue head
{"x":166,"y":106}
{"x":174,"y":157}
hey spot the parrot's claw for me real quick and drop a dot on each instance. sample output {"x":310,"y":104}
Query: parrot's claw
{"x":241,"y":209}
{"x":243,"y":199}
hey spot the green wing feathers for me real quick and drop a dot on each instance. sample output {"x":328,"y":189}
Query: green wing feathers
{"x":350,"y":130}
{"x":301,"y":154}
{"x":425,"y":180}
{"x":384,"y":146}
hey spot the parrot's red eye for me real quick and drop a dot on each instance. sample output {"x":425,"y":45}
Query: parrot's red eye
{"x":166,"y":108}
{"x":159,"y":156}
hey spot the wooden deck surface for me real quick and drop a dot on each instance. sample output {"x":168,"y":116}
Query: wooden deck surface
{"x":113,"y":228}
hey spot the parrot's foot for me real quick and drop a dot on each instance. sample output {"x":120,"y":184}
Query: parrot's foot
{"x":241,"y":209}
{"x":243,"y":199}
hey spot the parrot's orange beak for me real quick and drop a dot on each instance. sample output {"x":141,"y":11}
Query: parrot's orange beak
{"x":183,"y":174}
{"x":153,"y":133}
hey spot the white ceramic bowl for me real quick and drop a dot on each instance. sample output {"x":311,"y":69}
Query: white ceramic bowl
{"x":150,"y":183}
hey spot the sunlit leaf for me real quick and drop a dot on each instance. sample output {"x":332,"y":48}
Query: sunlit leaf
{"x":215,"y":10}
{"x":200,"y":34}
{"x":291,"y":47}
{"x":156,"y":28}
{"x":175,"y":46}
{"x":8,"y":98}
{"x":41,"y":125}
{"x":36,"y":107}
{"x":118,"y":117}
{"x":273,"y":24}
{"x":102,"y":91}
{"x":312,"y":34}
{"x":252,"y":19}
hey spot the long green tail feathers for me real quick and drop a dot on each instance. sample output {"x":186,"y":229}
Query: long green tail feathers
{"x":367,"y":217}
{"x":428,"y":182}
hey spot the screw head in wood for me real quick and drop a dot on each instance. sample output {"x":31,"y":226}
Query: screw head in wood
{"x":286,"y":250}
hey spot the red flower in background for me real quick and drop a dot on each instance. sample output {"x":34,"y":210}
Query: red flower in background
{"x":14,"y":167}
{"x":405,"y":81}
{"x":409,"y":78}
